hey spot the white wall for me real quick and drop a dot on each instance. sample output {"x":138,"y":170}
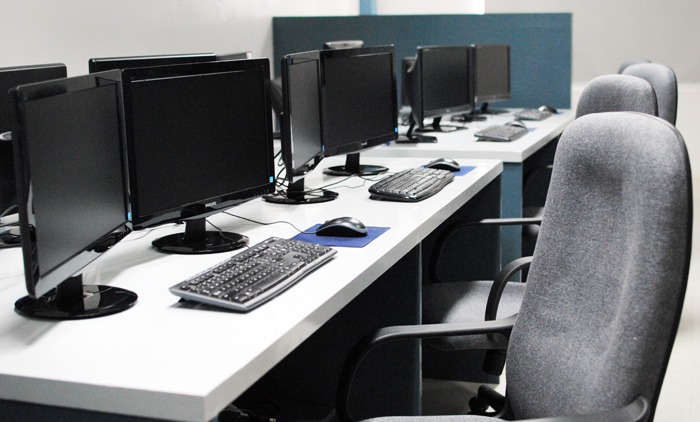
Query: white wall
{"x":423,"y":7}
{"x":72,"y":31}
{"x":607,"y":32}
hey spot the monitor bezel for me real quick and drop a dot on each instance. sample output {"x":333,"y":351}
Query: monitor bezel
{"x":101,"y":64}
{"x":39,"y":285}
{"x":26,"y":74}
{"x":298,"y":172}
{"x":364,"y":144}
{"x":491,"y":97}
{"x":416,"y":89}
{"x":204,"y":206}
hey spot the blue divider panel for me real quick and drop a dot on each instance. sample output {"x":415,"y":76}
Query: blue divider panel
{"x":540,"y":44}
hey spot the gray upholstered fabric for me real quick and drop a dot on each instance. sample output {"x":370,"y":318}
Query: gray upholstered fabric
{"x":630,"y":62}
{"x":663,"y":79}
{"x":466,"y":302}
{"x":617,"y":93}
{"x":608,"y":276}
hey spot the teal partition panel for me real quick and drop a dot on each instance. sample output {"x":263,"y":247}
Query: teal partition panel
{"x":540,"y":44}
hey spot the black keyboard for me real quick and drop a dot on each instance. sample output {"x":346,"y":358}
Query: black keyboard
{"x":532,"y":114}
{"x":411,"y":185}
{"x":253,"y":277}
{"x":501,"y":133}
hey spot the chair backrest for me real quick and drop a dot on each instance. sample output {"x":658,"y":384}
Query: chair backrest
{"x":630,"y":62}
{"x":617,"y":93}
{"x":663,"y":79}
{"x":608,"y":276}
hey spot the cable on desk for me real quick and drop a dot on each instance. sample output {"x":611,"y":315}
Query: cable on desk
{"x":267,"y":224}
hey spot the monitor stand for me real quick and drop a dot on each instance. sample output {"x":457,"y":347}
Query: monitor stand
{"x":297,"y":195}
{"x":197,"y":240}
{"x":73,"y":300}
{"x":484,"y":109}
{"x":353,"y":167}
{"x":435,"y":127}
{"x":412,"y":138}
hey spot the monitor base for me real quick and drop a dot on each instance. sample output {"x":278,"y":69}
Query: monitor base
{"x":96,"y":301}
{"x":416,"y":139}
{"x":299,"y":198}
{"x":353,"y":167}
{"x":363,"y":170}
{"x":211,"y":242}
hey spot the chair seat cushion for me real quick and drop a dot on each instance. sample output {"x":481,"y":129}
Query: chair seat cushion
{"x":465,"y":301}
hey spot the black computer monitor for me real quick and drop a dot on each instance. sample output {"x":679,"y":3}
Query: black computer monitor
{"x":301,"y":137}
{"x":491,"y":74}
{"x":11,"y":77}
{"x":68,"y":145}
{"x":439,"y":85}
{"x":406,"y":65}
{"x":234,"y":56}
{"x":100,"y":64}
{"x":340,"y":44}
{"x":199,"y":140}
{"x":358,"y":104}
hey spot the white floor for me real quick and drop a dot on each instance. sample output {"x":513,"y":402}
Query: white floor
{"x":680,"y":394}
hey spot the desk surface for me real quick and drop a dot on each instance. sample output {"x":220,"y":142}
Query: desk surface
{"x":143,"y":362}
{"x":463,"y":144}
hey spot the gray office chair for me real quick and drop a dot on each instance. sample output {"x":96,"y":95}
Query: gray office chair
{"x":630,"y":62}
{"x":601,"y":94}
{"x":473,"y":301}
{"x":617,"y":93}
{"x":606,"y":285}
{"x":663,"y":79}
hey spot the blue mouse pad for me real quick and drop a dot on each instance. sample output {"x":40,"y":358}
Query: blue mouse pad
{"x":346,"y":242}
{"x":464,"y":170}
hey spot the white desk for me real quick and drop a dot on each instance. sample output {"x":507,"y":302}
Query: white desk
{"x":462,"y":144}
{"x":140,"y":362}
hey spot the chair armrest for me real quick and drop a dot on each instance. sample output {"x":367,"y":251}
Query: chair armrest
{"x":637,"y":411}
{"x":444,"y":236}
{"x":499,"y":283}
{"x":406,"y":332}
{"x":517,"y":221}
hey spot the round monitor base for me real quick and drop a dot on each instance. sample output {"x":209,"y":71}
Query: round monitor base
{"x":300,"y":198}
{"x":364,"y":170}
{"x":212,"y":242}
{"x":98,"y":301}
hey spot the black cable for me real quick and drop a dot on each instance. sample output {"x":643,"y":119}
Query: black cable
{"x":8,"y":210}
{"x":223,"y":233}
{"x":268,"y":224}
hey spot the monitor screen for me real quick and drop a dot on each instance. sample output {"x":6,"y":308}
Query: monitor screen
{"x":110,"y":63}
{"x":301,"y":135}
{"x":358,"y":104}
{"x":491,"y":73}
{"x":11,"y":77}
{"x":199,"y":140}
{"x":439,"y":85}
{"x":68,"y":145}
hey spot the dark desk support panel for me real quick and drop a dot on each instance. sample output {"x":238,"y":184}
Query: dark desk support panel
{"x":303,"y":385}
{"x":540,"y":44}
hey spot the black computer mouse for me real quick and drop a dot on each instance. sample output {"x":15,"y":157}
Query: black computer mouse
{"x":517,"y":123}
{"x":548,"y":108}
{"x":342,"y":227}
{"x":444,"y":164}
